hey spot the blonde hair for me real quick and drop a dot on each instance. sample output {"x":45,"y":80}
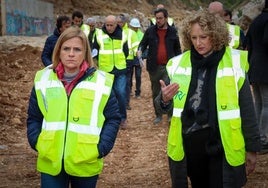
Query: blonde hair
{"x":213,"y":25}
{"x":70,"y":33}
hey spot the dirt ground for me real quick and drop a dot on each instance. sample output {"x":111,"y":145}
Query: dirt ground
{"x":138,"y":158}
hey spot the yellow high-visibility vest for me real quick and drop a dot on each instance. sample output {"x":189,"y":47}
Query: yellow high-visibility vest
{"x":71,"y":126}
{"x":230,"y":78}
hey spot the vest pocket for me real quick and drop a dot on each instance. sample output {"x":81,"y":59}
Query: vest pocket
{"x":86,"y":150}
{"x":236,"y":133}
{"x":46,"y":146}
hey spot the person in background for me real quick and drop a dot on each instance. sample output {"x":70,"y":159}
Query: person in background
{"x":112,"y":46}
{"x":73,"y":115}
{"x":213,"y":136}
{"x":162,"y":42}
{"x":170,"y":20}
{"x":137,"y":63}
{"x":257,"y":46}
{"x":227,"y":16}
{"x":62,"y":23}
{"x":93,"y":30}
{"x":236,"y":34}
{"x":77,"y":20}
{"x":133,"y":43}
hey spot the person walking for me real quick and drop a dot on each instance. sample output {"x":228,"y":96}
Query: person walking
{"x":73,"y":115}
{"x":162,"y":42}
{"x":257,"y":45}
{"x":91,"y":22}
{"x":135,"y":66}
{"x":213,"y":137}
{"x":77,"y":20}
{"x":111,"y":44}
{"x":236,"y":34}
{"x":62,"y":23}
{"x":170,"y":20}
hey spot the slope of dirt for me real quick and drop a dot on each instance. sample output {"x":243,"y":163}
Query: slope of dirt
{"x":138,"y":158}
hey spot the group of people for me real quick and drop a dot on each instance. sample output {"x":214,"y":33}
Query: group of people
{"x":197,"y":77}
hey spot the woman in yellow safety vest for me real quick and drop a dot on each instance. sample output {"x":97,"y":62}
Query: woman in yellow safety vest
{"x":73,"y":115}
{"x":213,"y":137}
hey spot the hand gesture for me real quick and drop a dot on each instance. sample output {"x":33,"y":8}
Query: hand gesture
{"x":168,"y":91}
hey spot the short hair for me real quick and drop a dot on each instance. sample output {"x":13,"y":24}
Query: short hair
{"x":228,"y":12}
{"x":61,"y":20}
{"x":70,"y":33}
{"x":122,"y":17}
{"x":213,"y":25}
{"x":77,"y":14}
{"x":164,"y":11}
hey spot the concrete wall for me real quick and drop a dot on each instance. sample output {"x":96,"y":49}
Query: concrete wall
{"x":27,"y":17}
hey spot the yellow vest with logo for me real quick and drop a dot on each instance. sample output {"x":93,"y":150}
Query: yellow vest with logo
{"x":71,"y":126}
{"x":111,"y":52}
{"x":234,"y":32}
{"x":230,"y":78}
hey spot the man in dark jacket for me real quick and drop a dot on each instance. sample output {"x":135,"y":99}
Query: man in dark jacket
{"x":63,"y":22}
{"x":257,"y":45}
{"x":163,"y":43}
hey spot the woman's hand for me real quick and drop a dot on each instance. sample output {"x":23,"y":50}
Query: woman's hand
{"x":168,"y":91}
{"x":251,"y":159}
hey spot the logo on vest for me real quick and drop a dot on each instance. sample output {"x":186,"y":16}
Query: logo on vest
{"x":179,"y":95}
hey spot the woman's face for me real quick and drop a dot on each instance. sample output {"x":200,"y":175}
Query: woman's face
{"x":72,"y":54}
{"x":201,"y":41}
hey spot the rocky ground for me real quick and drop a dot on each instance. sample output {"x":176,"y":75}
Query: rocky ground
{"x":138,"y":158}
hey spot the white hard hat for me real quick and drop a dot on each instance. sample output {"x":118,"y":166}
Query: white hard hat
{"x":134,"y":22}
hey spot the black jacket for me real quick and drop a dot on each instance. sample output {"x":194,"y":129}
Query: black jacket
{"x":257,"y":45}
{"x":150,"y":40}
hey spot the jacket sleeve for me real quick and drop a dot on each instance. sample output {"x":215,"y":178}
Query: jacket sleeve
{"x":47,"y":53}
{"x":144,"y":41}
{"x":249,"y":122}
{"x":34,"y":120}
{"x":110,"y":127}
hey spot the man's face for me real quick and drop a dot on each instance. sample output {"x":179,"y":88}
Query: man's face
{"x":77,"y":21}
{"x":161,"y":21}
{"x":65,"y":25}
{"x":110,"y":26}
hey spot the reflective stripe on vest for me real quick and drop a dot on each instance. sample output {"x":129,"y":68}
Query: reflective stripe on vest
{"x":133,"y":43}
{"x":234,"y":32}
{"x":85,"y":28}
{"x":230,"y":78}
{"x":111,"y":52}
{"x":71,"y":127}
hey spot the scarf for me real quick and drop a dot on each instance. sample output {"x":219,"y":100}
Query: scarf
{"x":207,"y":111}
{"x":70,"y":85}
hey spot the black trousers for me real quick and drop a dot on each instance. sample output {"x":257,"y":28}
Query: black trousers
{"x":203,"y":169}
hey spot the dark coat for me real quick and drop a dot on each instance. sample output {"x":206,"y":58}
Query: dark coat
{"x":150,"y":40}
{"x":49,"y":47}
{"x":109,"y":130}
{"x":257,"y":45}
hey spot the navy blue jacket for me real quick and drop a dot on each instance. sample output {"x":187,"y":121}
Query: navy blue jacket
{"x":109,"y":130}
{"x":49,"y":47}
{"x":150,"y":41}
